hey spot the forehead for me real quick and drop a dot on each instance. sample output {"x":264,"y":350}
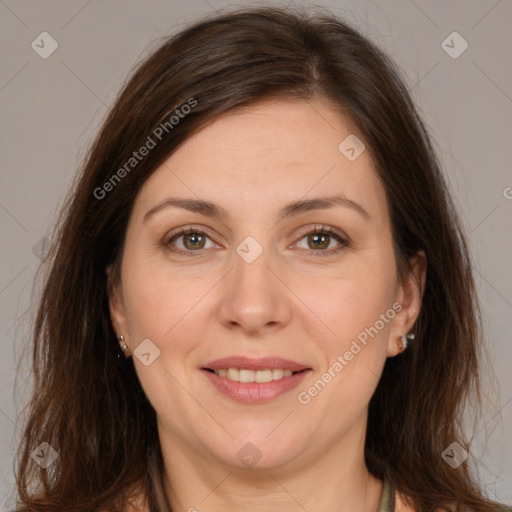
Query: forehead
{"x":267,"y":154}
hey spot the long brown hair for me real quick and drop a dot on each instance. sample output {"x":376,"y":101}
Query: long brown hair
{"x":89,"y":405}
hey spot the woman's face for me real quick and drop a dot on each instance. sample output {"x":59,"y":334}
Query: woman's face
{"x":258,"y":286}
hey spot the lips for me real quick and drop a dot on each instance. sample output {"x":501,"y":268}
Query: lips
{"x":288,"y":376}
{"x":246,"y":363}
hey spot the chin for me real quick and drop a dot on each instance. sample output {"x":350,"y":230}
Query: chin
{"x":257,"y":452}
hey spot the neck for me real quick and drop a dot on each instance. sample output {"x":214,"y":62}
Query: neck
{"x":336,"y":480}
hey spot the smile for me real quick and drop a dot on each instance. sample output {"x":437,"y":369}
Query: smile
{"x":261,"y":376}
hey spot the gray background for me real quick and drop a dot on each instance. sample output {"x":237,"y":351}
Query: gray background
{"x":51,"y":108}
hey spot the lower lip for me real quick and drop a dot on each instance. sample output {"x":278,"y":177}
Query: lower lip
{"x":255,"y":392}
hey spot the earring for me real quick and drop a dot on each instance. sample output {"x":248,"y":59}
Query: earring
{"x":124,"y":347}
{"x":402,"y":341}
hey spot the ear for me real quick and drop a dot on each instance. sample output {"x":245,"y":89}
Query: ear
{"x":116,"y":303}
{"x":409,"y":295}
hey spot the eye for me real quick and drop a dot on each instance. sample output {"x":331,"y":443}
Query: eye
{"x":194,"y":239}
{"x":319,"y":239}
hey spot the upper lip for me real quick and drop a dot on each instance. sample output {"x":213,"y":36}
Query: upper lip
{"x":246,"y":363}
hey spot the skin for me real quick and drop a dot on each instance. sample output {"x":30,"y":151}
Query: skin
{"x":291,"y":302}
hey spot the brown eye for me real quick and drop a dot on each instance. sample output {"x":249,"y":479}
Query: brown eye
{"x":192,"y":241}
{"x":319,"y":239}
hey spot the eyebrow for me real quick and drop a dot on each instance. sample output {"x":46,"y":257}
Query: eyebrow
{"x":210,"y":209}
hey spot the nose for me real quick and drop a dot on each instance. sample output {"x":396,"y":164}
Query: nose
{"x":255,"y":300}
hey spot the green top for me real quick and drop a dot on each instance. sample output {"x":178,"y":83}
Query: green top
{"x":387,"y":502}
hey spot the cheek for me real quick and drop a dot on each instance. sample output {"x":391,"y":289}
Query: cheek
{"x":353,"y":357}
{"x":158,"y":299}
{"x":165,"y":307}
{"x":359,"y":311}
{"x":349,"y":302}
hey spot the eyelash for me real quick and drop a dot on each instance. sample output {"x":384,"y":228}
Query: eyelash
{"x":327,"y":230}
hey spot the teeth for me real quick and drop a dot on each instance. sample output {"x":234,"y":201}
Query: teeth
{"x":260,"y":376}
{"x":245,"y":375}
{"x":277,"y":374}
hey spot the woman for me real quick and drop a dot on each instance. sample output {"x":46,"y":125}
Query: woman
{"x":262,"y":229}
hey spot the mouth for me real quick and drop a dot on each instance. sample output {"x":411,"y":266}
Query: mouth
{"x":246,"y":375}
{"x":250,"y":381}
